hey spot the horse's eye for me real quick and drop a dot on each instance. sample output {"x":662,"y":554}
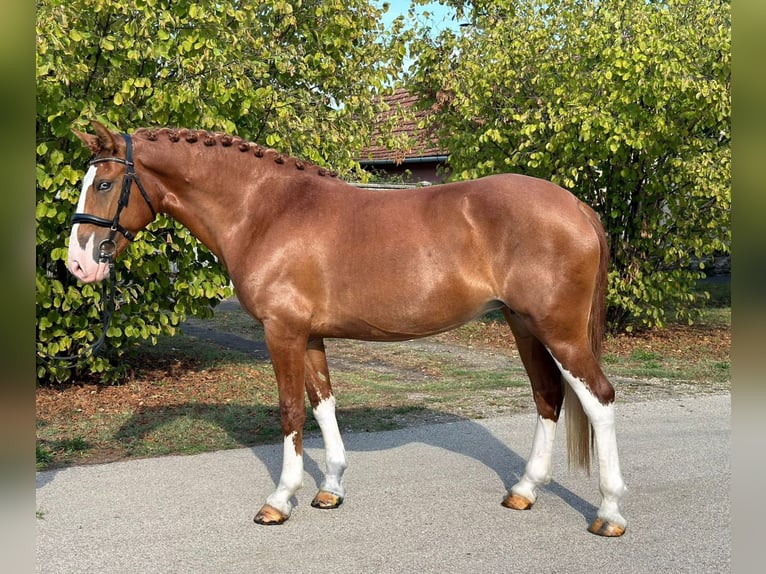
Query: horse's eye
{"x":104,"y":186}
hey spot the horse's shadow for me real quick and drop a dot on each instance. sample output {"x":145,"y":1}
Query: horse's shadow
{"x":492,"y":452}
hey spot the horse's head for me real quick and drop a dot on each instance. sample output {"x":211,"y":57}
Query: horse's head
{"x":105,"y":220}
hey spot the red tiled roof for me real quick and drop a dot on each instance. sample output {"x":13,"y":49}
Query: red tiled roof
{"x":425,"y":142}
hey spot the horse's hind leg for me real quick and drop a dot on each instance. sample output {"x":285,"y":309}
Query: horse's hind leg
{"x":584,"y":375}
{"x":322,"y":401}
{"x":547,"y":389}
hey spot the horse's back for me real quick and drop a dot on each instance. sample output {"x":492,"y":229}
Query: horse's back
{"x":516,"y":215}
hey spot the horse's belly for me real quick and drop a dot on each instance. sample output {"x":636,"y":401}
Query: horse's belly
{"x":405,"y":318}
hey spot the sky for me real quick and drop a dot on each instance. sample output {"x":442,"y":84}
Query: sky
{"x":442,"y":16}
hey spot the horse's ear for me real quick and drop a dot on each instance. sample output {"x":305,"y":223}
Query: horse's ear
{"x":103,"y":141}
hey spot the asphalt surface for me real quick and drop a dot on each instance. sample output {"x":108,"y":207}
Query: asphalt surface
{"x":423,"y":500}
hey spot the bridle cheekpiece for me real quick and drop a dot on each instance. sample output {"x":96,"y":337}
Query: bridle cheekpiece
{"x":107,"y":247}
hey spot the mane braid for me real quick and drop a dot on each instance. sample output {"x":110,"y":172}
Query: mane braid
{"x":212,"y":139}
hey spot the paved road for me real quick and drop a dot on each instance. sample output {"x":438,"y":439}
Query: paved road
{"x":424,"y":500}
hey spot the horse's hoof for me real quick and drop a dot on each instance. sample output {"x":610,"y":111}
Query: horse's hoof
{"x":517,"y":502}
{"x":326,"y":500}
{"x":269,"y":516}
{"x":605,"y":528}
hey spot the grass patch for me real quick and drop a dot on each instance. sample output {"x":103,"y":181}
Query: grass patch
{"x":60,"y":450}
{"x":647,"y":359}
{"x":44,"y":455}
{"x":697,"y":353}
{"x":715,"y":317}
{"x":718,"y":291}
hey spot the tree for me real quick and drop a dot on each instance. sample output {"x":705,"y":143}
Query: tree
{"x":303,"y":76}
{"x":624,"y":102}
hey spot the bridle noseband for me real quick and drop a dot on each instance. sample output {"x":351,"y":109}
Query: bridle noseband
{"x":107,"y":248}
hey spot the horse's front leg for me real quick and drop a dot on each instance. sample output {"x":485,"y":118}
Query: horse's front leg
{"x":320,"y":395}
{"x":287,"y":352}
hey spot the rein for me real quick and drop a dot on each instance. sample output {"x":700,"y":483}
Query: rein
{"x":108,"y":299}
{"x":107,"y":249}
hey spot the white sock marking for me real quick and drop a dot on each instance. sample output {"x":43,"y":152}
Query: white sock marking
{"x":291,"y":479}
{"x":611,"y":483}
{"x":335,"y":452}
{"x":538,"y":469}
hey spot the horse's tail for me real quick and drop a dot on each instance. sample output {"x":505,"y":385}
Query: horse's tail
{"x":597,"y":319}
{"x":579,"y":436}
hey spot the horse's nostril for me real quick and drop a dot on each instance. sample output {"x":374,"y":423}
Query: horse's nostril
{"x":76,"y":269}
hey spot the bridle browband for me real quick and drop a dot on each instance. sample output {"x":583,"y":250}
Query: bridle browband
{"x":107,"y":247}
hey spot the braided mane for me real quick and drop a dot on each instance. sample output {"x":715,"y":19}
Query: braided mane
{"x":211,"y":139}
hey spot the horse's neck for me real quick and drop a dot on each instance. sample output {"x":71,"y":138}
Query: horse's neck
{"x":221,"y":199}
{"x":200,"y":196}
{"x":178,"y":204}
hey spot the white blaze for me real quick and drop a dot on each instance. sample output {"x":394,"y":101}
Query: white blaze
{"x":80,"y":260}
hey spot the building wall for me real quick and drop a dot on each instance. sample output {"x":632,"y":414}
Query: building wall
{"x":432,"y":172}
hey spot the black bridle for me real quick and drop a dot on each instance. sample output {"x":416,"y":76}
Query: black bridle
{"x":107,"y":247}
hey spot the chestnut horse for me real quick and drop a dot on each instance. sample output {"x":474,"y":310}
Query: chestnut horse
{"x":313,"y":257}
